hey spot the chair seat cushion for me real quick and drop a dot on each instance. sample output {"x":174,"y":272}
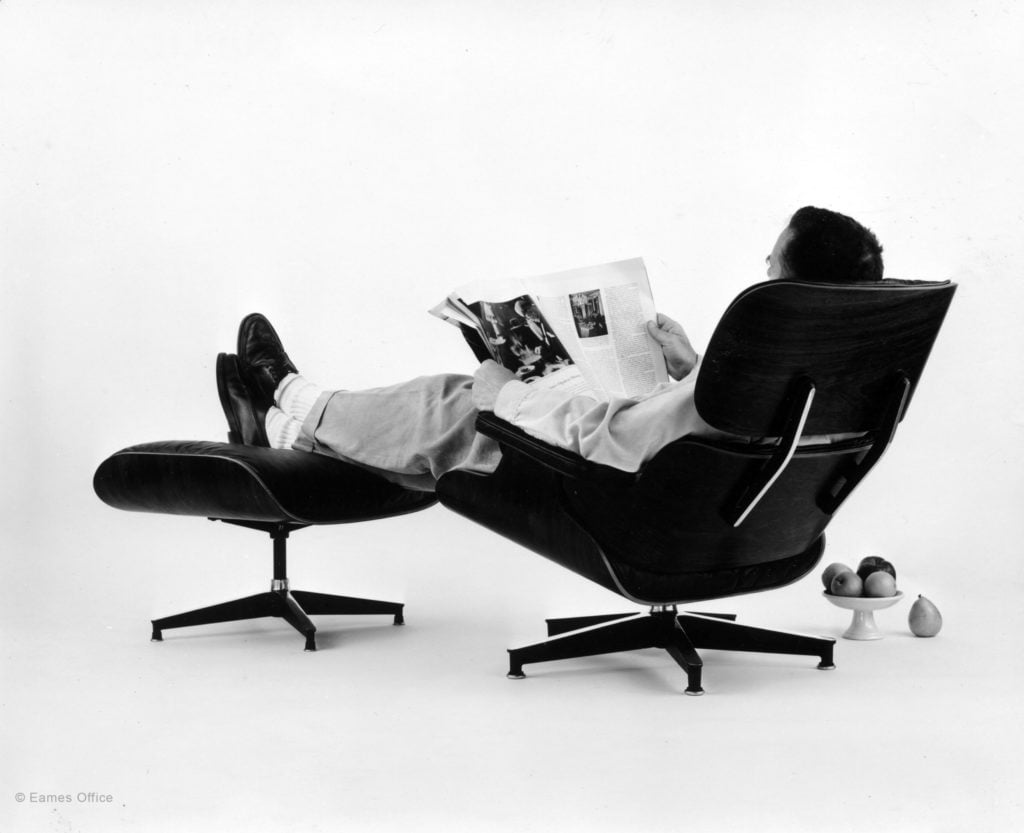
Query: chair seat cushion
{"x":246,"y":483}
{"x":539,"y":517}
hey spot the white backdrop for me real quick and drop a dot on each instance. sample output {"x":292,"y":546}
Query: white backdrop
{"x":166,"y":168}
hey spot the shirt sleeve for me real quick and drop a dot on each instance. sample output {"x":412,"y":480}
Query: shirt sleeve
{"x":619,"y":432}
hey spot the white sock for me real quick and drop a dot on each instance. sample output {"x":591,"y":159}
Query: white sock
{"x":296,"y":396}
{"x":282,"y":430}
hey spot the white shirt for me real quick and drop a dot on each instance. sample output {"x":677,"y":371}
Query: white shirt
{"x":619,"y":432}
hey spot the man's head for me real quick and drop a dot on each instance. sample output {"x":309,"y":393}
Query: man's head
{"x":827,"y":247}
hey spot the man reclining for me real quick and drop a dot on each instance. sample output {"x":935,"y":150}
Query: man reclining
{"x":413,"y":432}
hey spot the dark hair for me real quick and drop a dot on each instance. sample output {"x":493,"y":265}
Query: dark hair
{"x":829,"y":247}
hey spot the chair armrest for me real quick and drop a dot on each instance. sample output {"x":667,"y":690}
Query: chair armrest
{"x":559,"y":460}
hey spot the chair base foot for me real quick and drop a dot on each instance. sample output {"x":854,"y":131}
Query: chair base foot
{"x":681,"y":635}
{"x":294,"y":607}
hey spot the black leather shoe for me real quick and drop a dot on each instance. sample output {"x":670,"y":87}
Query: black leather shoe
{"x":261,"y":357}
{"x":246,"y":421}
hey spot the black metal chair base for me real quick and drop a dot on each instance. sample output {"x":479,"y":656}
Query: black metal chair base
{"x":293,"y":606}
{"x":681,"y":634}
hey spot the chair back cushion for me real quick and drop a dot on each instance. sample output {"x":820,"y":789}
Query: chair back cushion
{"x":851,"y":341}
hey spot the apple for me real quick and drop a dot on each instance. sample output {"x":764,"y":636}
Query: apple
{"x":872,"y":563}
{"x":880,"y":583}
{"x":831,"y":571}
{"x":847,"y":583}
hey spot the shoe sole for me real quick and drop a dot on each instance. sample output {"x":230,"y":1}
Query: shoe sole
{"x":225,"y":365}
{"x":228,"y":377}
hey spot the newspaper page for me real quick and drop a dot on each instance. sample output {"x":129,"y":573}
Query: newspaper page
{"x":515,"y":332}
{"x":578,"y":330}
{"x":601,"y":314}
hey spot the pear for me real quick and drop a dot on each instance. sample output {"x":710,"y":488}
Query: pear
{"x":924,"y":618}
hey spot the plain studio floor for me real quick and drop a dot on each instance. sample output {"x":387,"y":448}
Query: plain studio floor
{"x":235,"y":727}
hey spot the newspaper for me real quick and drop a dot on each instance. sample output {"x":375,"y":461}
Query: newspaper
{"x":583,"y":330}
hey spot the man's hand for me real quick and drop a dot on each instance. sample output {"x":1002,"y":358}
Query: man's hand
{"x":679,"y":355}
{"x":489,"y":378}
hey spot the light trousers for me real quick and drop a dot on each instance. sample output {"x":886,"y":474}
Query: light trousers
{"x":410,"y":433}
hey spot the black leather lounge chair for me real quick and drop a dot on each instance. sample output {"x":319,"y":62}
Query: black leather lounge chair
{"x":705,"y":519}
{"x":273,"y":491}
